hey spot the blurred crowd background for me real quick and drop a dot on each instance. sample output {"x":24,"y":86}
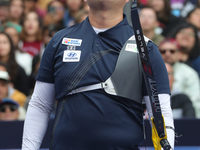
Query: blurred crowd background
{"x":26,"y":27}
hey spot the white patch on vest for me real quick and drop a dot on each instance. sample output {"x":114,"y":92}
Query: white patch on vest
{"x":71,"y":56}
{"x":70,"y":41}
{"x":131,"y":48}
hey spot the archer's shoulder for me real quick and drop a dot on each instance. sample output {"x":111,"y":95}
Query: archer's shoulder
{"x":150,"y":44}
{"x":146,"y":39}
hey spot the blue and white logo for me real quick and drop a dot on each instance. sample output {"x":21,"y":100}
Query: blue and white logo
{"x":71,"y":56}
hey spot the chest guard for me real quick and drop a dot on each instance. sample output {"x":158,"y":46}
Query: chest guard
{"x":126,"y":80}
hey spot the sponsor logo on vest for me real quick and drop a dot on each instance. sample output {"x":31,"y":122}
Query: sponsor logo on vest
{"x":71,"y":56}
{"x":131,"y":48}
{"x":69,"y":41}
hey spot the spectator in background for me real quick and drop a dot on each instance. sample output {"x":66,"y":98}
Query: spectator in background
{"x":22,"y":58}
{"x":73,"y":6}
{"x":143,"y":2}
{"x":55,"y":13}
{"x":186,"y":79}
{"x":81,"y":15}
{"x":198,"y":3}
{"x":48,"y":33}
{"x":6,"y":90}
{"x":167,"y":21}
{"x":86,"y":7}
{"x":9,"y":110}
{"x":29,"y":5}
{"x":4,"y":14}
{"x":43,"y":4}
{"x":177,"y":6}
{"x":193,"y":17}
{"x":12,"y":32}
{"x":186,"y":36}
{"x":181,"y":104}
{"x":16,"y":13}
{"x":188,"y":6}
{"x":32,"y":5}
{"x":41,"y":7}
{"x":4,"y":82}
{"x":140,"y":3}
{"x":31,"y":35}
{"x":7,"y":55}
{"x":149,"y":22}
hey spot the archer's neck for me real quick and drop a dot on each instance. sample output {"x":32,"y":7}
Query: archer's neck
{"x":105,"y":19}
